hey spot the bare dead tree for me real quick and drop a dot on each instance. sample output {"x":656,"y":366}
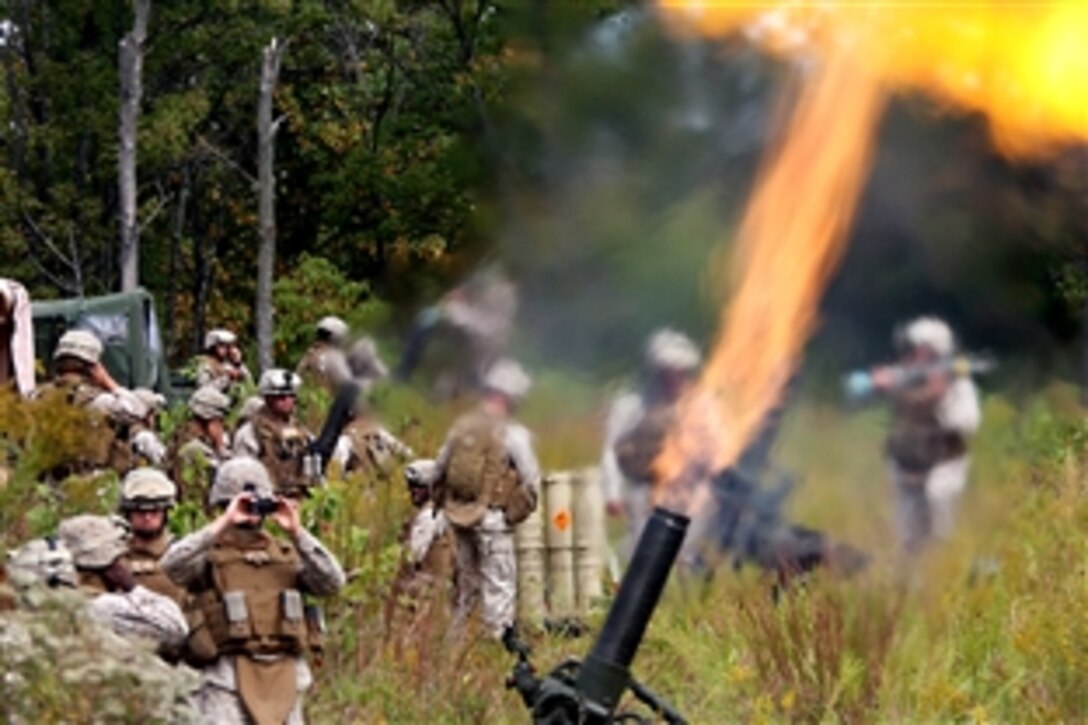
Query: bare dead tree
{"x":131,"y":62}
{"x":271,"y":57}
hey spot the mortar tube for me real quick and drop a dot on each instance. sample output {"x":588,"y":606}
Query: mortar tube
{"x":605,"y":674}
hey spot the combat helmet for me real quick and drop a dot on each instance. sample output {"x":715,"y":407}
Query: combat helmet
{"x":41,"y":561}
{"x":332,"y":328}
{"x":94,"y":541}
{"x":237,"y":475}
{"x":668,"y":349}
{"x":147,"y":489}
{"x":218,"y":336}
{"x":278,"y":382}
{"x":209,"y":403}
{"x":508,"y":378}
{"x":931,"y":332}
{"x":79,"y":344}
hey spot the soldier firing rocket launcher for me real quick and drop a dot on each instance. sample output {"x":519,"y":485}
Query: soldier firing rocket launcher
{"x":590,"y":691}
{"x":860,"y":385}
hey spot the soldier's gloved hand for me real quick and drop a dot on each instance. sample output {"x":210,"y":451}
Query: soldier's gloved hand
{"x":287,"y":516}
{"x":118,"y":578}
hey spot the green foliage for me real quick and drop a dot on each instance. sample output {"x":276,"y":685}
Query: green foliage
{"x":297,"y":313}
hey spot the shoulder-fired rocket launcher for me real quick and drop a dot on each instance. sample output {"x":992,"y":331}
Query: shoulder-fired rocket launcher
{"x":859,"y":386}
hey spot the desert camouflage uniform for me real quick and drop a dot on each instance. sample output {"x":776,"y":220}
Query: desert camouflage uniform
{"x":367,"y":446}
{"x":926,"y":500}
{"x":484,"y":556}
{"x":280,"y":445}
{"x":625,"y":414}
{"x":319,"y":573}
{"x":324,"y":364}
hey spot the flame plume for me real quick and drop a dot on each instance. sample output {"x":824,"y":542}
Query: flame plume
{"x":1023,"y":65}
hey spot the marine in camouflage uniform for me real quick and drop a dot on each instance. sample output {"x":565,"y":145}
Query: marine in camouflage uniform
{"x":636,"y":427}
{"x":325,"y":363}
{"x":487,"y":480}
{"x":147,"y":496}
{"x":98,"y":548}
{"x":249,"y":621}
{"x":221,"y":365}
{"x":118,"y":430}
{"x":52,"y":620}
{"x":927,"y":443}
{"x":367,"y":446}
{"x":202,"y":443}
{"x":275,"y":437}
{"x":427,"y":537}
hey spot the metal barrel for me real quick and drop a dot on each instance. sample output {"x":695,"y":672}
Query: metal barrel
{"x":529,"y":540}
{"x":604,"y":675}
{"x":590,"y":538}
{"x":559,"y":534}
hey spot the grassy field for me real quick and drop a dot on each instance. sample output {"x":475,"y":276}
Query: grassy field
{"x":989,"y":628}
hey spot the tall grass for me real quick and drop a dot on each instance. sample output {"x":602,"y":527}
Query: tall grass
{"x":988,"y":627}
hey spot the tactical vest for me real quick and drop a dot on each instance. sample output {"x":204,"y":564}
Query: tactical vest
{"x":479,"y":474}
{"x":314,"y":369}
{"x":142,"y":559}
{"x":282,"y":447}
{"x":370,"y":452}
{"x":249,"y":602}
{"x":637,"y":450}
{"x":917,"y":442}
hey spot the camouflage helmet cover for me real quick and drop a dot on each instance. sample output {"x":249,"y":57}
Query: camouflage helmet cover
{"x":931,"y":332}
{"x":94,"y":541}
{"x":668,"y":349}
{"x":219,"y":336}
{"x":81,"y":345}
{"x":41,"y":561}
{"x":233,"y":477}
{"x":147,"y":489}
{"x":333,"y":326}
{"x":277,"y":382}
{"x":508,"y":378}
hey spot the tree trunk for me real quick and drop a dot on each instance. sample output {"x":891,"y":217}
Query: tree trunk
{"x":266,"y":256}
{"x":131,"y":62}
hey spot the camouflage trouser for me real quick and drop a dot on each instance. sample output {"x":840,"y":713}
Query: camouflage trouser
{"x":487,"y":572}
{"x":926,"y":505}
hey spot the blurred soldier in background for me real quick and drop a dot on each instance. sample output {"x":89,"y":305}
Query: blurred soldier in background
{"x":325,"y":364}
{"x":275,"y":437}
{"x":931,"y":424}
{"x":147,"y":496}
{"x":98,"y":548}
{"x":146,"y":443}
{"x":248,"y":589}
{"x":487,"y":482}
{"x":16,"y":338}
{"x":637,"y":423}
{"x":480,"y":311}
{"x":119,"y":435}
{"x":221,"y":365}
{"x":365,"y":445}
{"x":202,"y":443}
{"x":249,"y":408}
{"x":427,"y":537}
{"x":367,"y":368}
